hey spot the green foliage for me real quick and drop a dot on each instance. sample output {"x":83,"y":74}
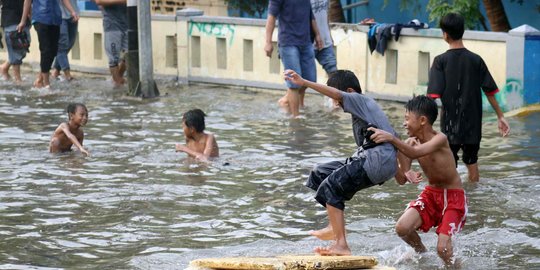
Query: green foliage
{"x":413,"y":5}
{"x":469,"y":9}
{"x":251,"y":7}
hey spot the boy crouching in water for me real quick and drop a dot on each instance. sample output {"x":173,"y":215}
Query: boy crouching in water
{"x":70,"y":133}
{"x":442,"y":204}
{"x":199,"y":144}
{"x":372,"y":164}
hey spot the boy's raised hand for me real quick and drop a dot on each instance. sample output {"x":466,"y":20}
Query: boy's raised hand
{"x":290,"y":75}
{"x":414,"y":177}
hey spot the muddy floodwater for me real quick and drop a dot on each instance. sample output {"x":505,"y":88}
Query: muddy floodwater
{"x":137,"y":204}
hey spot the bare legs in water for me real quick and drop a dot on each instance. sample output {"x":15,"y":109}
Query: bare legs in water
{"x":334,"y":231}
{"x":4,"y":72}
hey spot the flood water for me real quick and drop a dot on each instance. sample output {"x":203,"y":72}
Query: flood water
{"x":137,"y":204}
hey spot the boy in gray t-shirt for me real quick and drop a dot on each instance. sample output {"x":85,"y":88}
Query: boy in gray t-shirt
{"x":371,"y":164}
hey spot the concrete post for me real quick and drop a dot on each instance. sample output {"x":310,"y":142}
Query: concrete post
{"x":522,"y":65}
{"x":183,"y":41}
{"x":147,"y":85}
{"x":132,"y":55}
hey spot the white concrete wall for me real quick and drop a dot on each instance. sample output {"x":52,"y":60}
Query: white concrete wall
{"x":350,"y":42}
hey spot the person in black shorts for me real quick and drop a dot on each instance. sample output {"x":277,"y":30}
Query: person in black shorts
{"x":336,"y":182}
{"x":457,"y":78}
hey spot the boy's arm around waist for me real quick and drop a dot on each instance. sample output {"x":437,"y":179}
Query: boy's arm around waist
{"x":411,"y":151}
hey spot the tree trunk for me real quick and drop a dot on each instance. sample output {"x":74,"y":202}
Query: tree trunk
{"x":335,"y":13}
{"x":496,"y":16}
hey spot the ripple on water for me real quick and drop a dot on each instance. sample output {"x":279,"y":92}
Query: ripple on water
{"x":135,"y":203}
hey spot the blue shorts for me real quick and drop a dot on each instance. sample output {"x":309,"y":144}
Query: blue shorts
{"x":301,"y":59}
{"x":15,"y":56}
{"x":327,"y":58}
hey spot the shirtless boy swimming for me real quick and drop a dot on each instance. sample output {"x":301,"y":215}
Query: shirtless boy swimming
{"x":442,"y":204}
{"x":199,"y":144}
{"x":70,"y":133}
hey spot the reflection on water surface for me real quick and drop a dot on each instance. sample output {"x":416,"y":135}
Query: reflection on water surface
{"x":137,"y":204}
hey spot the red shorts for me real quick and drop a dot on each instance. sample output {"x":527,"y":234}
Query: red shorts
{"x":445,"y":209}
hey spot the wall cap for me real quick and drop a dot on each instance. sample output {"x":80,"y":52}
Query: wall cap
{"x":189,"y":12}
{"x":524,"y":30}
{"x":230,"y":20}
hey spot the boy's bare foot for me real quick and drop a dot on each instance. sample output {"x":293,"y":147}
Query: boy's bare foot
{"x":67,"y":75}
{"x":55,"y":73}
{"x":324,"y":234}
{"x":38,"y":83}
{"x":333,"y":250}
{"x":283,"y":102}
{"x":119,"y":83}
{"x":4,"y":73}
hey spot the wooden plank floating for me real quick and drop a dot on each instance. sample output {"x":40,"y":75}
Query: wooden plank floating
{"x":307,"y":262}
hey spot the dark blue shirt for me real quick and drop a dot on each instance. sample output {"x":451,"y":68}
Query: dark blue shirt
{"x":294,"y":21}
{"x":46,"y":12}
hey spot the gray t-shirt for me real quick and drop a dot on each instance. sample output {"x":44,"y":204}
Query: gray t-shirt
{"x":381,"y":162}
{"x":65,"y":12}
{"x":320,"y":11}
{"x":114,"y":18}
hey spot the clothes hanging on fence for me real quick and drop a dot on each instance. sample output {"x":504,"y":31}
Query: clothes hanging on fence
{"x":380,"y":33}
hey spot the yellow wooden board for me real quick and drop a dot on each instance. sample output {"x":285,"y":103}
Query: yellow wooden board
{"x":307,"y":262}
{"x":523,"y":111}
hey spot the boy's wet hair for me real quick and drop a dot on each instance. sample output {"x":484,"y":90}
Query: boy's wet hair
{"x":453,"y":24}
{"x":194,"y":119}
{"x":423,"y":105}
{"x":343,"y":79}
{"x":72,"y":107}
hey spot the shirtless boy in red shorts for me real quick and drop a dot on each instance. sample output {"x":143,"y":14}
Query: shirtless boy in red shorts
{"x":442,"y":204}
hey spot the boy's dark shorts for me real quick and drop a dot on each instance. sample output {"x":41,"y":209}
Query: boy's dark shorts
{"x":470,"y":152}
{"x":336,"y":181}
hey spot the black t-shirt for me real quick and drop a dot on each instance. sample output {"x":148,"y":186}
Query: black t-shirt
{"x":11,"y":12}
{"x":457,"y":77}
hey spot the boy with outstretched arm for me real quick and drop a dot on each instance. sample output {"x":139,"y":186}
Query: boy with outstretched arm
{"x":199,"y":144}
{"x":70,"y":133}
{"x":442,"y":204}
{"x":372,"y":164}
